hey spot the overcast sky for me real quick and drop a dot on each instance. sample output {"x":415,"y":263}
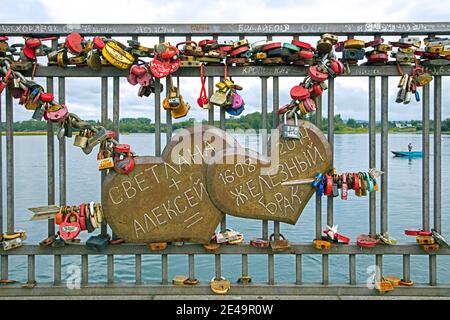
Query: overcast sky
{"x":351,"y":100}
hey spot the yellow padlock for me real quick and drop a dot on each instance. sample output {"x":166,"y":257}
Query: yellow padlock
{"x":354,"y":44}
{"x":384,"y":47}
{"x":114,"y":52}
{"x":406,"y":50}
{"x":435,"y":49}
{"x":181,"y":111}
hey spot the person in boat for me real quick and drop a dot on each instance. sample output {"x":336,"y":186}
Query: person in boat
{"x":410,"y":147}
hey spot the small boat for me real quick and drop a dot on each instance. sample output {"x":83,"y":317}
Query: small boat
{"x":410,"y":154}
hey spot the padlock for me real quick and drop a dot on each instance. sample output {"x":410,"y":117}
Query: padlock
{"x":421,"y":77}
{"x":326,"y":42}
{"x":425,"y":240}
{"x":412,"y":41}
{"x":299,"y":92}
{"x":244,"y":279}
{"x":405,"y":58}
{"x":406,"y":50}
{"x":290,"y":131}
{"x":80,"y":139}
{"x":70,"y":230}
{"x":74,"y":43}
{"x":95,"y":139}
{"x":93,"y":59}
{"x":344,"y":187}
{"x":353,"y":54}
{"x":322,"y":244}
{"x":237,"y":100}
{"x":158,"y":246}
{"x":384,"y":286}
{"x":259,"y":243}
{"x":57,"y":116}
{"x":179,"y":280}
{"x":228,"y":235}
{"x":374,"y":43}
{"x":12,"y":244}
{"x":439,"y":239}
{"x":354,"y":44}
{"x":384,"y":48}
{"x":105,"y":160}
{"x":220,"y":286}
{"x":114,"y":52}
{"x":182,"y":110}
{"x":431,"y":247}
{"x":218,"y":98}
{"x":316,"y":74}
{"x":98,"y":243}
{"x":309,"y":105}
{"x":123,"y":160}
{"x":280,"y":244}
{"x":385,"y":238}
{"x":365,"y":241}
{"x":212,"y":247}
{"x":377,"y":57}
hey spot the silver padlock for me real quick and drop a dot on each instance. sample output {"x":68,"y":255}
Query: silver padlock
{"x":290,"y":131}
{"x":12,"y":244}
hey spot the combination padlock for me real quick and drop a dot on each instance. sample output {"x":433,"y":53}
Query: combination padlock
{"x":290,"y":131}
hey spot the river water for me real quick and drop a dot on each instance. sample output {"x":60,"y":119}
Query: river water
{"x":351,"y":154}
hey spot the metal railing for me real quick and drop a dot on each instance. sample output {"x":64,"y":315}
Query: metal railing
{"x":264,"y":73}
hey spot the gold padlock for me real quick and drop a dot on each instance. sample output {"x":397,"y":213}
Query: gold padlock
{"x":182,"y":110}
{"x":406,"y":50}
{"x":212,"y":247}
{"x":384,"y":47}
{"x":179,"y":280}
{"x":220,"y":286}
{"x":322,"y":244}
{"x":431,"y":247}
{"x":260,"y":55}
{"x":354,"y":44}
{"x":425,"y":240}
{"x":395,"y":281}
{"x":280,"y":244}
{"x":384,"y":286}
{"x":158,"y":246}
{"x":435,"y":49}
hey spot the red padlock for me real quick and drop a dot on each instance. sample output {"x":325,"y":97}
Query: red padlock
{"x":317,"y":75}
{"x":306,"y":54}
{"x":284,"y":109}
{"x":299,"y":92}
{"x":5,"y":80}
{"x":46,"y":97}
{"x":83,"y":225}
{"x":3,"y":38}
{"x":73,"y":43}
{"x":365,"y":241}
{"x":378,"y":58}
{"x":374,"y":43}
{"x":31,"y":44}
{"x":123,"y":162}
{"x":70,"y":230}
{"x":317,"y":90}
{"x":302,"y":45}
{"x":169,"y":54}
{"x":205,"y":42}
{"x":339,"y":47}
{"x":309,"y":104}
{"x":270,"y":46}
{"x":160,"y":69}
{"x":239,"y":50}
{"x":337,"y":66}
{"x":98,"y":42}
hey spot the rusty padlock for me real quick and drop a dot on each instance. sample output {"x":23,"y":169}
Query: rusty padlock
{"x":280,"y":244}
{"x":157,"y":246}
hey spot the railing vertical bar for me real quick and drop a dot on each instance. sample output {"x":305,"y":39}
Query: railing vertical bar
{"x":158,"y":111}
{"x":57,"y":270}
{"x":191,"y":266}
{"x":384,"y":152}
{"x":218,"y":266}
{"x":168,"y":114}
{"x":104,"y":122}
{"x":275,"y":102}
{"x":318,"y":197}
{"x":406,"y":267}
{"x":352,"y":268}
{"x":298,"y":269}
{"x":379,"y":264}
{"x":437,"y":153}
{"x":426,"y":158}
{"x":433,"y":268}
{"x":31,"y":268}
{"x":110,"y":268}
{"x":116,"y":114}
{"x":164,"y":269}
{"x":62,"y":147}
{"x":331,"y":141}
{"x":271,"y":269}
{"x":138,"y":268}
{"x":116,"y":107}
{"x":372,"y":154}
{"x":4,"y":258}
{"x":244,"y":265}
{"x":9,"y":162}
{"x":263,"y":135}
{"x":325,"y":273}
{"x":84,"y":269}
{"x":50,"y":164}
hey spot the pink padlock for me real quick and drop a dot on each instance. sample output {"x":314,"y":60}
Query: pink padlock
{"x":146,"y":78}
{"x":58,"y":115}
{"x":237,"y":101}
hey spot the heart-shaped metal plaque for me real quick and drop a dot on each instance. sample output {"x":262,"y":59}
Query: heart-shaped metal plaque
{"x":246,"y":184}
{"x":164,"y":199}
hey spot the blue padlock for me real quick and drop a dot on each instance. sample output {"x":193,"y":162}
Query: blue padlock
{"x":235,"y":112}
{"x":317,"y":180}
{"x":321,"y":186}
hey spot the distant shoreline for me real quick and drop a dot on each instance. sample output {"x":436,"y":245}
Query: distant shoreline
{"x":44,"y":133}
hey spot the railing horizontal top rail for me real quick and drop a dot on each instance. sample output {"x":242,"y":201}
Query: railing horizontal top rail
{"x":250,"y":29}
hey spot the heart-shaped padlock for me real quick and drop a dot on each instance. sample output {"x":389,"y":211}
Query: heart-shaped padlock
{"x":316,"y":74}
{"x":203,"y":101}
{"x":299,"y":92}
{"x":74,"y":43}
{"x":57,"y":115}
{"x":159,"y":68}
{"x":145,"y":79}
{"x":70,"y":230}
